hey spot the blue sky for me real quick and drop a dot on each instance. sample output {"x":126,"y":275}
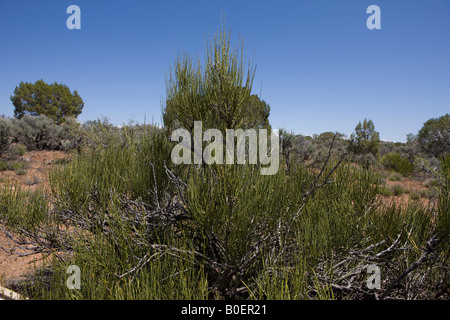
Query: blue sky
{"x":318,"y":66}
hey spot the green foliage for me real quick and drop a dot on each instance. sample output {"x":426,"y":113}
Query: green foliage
{"x":434,"y":137}
{"x":398,"y":190}
{"x":17,"y":149}
{"x":386,"y":191}
{"x":394,"y":161}
{"x":123,"y":165}
{"x":19,"y":167}
{"x":22,"y":209}
{"x":443,"y":223}
{"x":365,"y":139}
{"x":218,"y":93}
{"x":52,"y":100}
{"x":5,"y":134}
{"x":3,"y":165}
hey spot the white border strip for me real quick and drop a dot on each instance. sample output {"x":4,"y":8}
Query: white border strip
{"x":6,"y":294}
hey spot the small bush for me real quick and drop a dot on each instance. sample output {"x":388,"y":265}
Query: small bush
{"x":33,"y":181}
{"x":414,"y":195}
{"x":394,"y":161}
{"x":385,"y":191}
{"x":5,"y":134}
{"x":17,"y":149}
{"x":398,"y":190}
{"x":21,"y":172}
{"x":3,"y":165}
{"x":395,"y":177}
{"x":430,"y":183}
{"x":15,"y":166}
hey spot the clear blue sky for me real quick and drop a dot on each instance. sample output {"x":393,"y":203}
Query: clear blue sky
{"x":318,"y":65}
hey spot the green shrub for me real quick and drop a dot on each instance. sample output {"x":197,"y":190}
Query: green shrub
{"x":5,"y":134}
{"x":386,"y":191}
{"x":21,"y":172}
{"x":3,"y":165}
{"x":17,"y":149}
{"x":394,"y":161}
{"x":15,"y":166}
{"x":398,"y":190}
{"x":37,"y":132}
{"x":414,"y":195}
{"x":431,"y":182}
{"x":394,"y":177}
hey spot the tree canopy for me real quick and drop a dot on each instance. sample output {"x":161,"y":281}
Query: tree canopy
{"x":365,"y":139}
{"x":55,"y":101}
{"x":434,"y":137}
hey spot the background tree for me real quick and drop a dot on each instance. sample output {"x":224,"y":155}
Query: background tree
{"x":434,"y":137}
{"x":365,"y":139}
{"x":55,"y":101}
{"x":218,"y":94}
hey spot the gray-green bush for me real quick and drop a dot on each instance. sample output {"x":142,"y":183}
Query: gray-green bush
{"x":5,"y":134}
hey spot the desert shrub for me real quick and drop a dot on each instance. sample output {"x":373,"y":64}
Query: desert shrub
{"x":3,"y":165}
{"x":367,"y":160}
{"x":15,"y":166}
{"x":296,"y":148}
{"x":37,"y":132}
{"x":398,"y":190}
{"x":33,"y":181}
{"x":22,"y":209}
{"x":430,"y":182}
{"x":394,"y":177}
{"x":41,"y":132}
{"x":21,"y":172}
{"x":5,"y":134}
{"x":217,"y":92}
{"x":124,"y":165}
{"x":386,"y":191}
{"x":98,"y":134}
{"x":414,"y":195}
{"x":394,"y":161}
{"x":71,"y":135}
{"x":17,"y":149}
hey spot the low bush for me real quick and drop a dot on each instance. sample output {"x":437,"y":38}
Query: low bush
{"x":41,"y":132}
{"x":5,"y":134}
{"x":414,"y":195}
{"x":394,"y":161}
{"x":398,"y":190}
{"x":17,"y":149}
{"x":394,"y":177}
{"x":3,"y":165}
{"x":386,"y":191}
